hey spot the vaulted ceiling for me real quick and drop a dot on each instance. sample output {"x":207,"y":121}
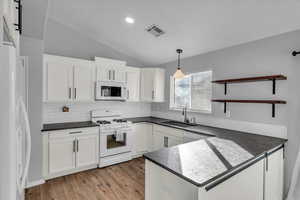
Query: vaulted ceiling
{"x":197,"y":26}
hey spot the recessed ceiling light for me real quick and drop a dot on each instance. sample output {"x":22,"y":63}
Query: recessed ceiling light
{"x":129,"y":20}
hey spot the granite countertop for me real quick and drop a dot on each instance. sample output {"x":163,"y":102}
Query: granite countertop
{"x":203,"y":161}
{"x":68,"y":125}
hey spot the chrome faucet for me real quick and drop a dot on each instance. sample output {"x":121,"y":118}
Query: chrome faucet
{"x":184,"y":113}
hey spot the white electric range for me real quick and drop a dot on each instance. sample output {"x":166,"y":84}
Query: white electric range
{"x":115,"y":137}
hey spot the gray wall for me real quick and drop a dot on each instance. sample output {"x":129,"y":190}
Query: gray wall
{"x":64,"y":41}
{"x":34,"y":48}
{"x":263,"y":57}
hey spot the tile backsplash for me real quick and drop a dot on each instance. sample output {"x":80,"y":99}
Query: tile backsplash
{"x":52,"y":112}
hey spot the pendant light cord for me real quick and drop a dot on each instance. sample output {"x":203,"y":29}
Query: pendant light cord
{"x":178,"y":60}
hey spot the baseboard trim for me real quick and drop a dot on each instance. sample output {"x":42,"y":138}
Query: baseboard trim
{"x":35,"y":183}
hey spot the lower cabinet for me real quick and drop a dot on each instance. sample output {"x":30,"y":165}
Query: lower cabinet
{"x":69,"y":151}
{"x":164,"y":137}
{"x":62,"y":155}
{"x":274,"y":168}
{"x":261,"y":181}
{"x":142,"y":140}
{"x":87,"y":150}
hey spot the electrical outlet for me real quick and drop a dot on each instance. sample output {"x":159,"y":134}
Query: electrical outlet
{"x":228,"y":113}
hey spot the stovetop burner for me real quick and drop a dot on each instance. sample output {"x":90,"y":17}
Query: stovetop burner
{"x":119,"y":120}
{"x":103,"y":122}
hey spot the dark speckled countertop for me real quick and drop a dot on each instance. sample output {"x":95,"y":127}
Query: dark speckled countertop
{"x":203,"y":161}
{"x":68,"y":125}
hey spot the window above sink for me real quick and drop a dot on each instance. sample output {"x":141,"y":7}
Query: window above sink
{"x":194,"y":91}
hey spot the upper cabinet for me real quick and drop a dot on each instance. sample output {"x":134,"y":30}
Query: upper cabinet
{"x":67,"y":79}
{"x":152,"y":85}
{"x":11,"y":20}
{"x":73,"y":80}
{"x":133,"y":84}
{"x":110,"y":70}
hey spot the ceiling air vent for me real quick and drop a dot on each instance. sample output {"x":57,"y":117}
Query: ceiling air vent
{"x":155,"y":30}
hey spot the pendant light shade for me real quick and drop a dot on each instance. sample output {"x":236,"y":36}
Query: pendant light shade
{"x":178,"y":74}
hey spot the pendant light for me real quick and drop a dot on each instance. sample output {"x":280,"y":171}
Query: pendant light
{"x":178,"y":74}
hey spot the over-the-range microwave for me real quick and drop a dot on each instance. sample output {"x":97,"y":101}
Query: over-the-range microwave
{"x":110,"y":91}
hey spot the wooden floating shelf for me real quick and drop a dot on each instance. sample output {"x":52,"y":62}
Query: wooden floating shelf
{"x":252,"y":79}
{"x":272,"y":78}
{"x":249,"y":101}
{"x":272,"y":102}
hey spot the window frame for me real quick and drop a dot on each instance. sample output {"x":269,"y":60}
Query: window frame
{"x":172,"y":96}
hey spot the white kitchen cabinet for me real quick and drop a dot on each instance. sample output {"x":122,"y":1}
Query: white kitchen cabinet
{"x":164,"y":137}
{"x":147,"y":78}
{"x":274,"y":176}
{"x":83,"y":81}
{"x":246,"y":185}
{"x":133,"y":84}
{"x":59,"y":81}
{"x":9,"y":19}
{"x":61,"y":154}
{"x":173,"y":141}
{"x":67,"y":79}
{"x":263,"y":180}
{"x":110,"y":70}
{"x":152,"y":84}
{"x":87,"y":150}
{"x":159,"y":85}
{"x":142,"y":142}
{"x":159,"y":141}
{"x":69,"y":151}
{"x":190,"y":137}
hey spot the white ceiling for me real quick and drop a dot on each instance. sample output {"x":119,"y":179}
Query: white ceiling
{"x":196,"y":26}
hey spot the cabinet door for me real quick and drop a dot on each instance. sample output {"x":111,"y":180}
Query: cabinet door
{"x":83,"y":82}
{"x":159,"y":141}
{"x":142,"y":138}
{"x":61,"y":154}
{"x":103,"y":73}
{"x":159,"y":85}
{"x":110,"y":70}
{"x":274,"y":176}
{"x":87,"y":150}
{"x":147,"y":90}
{"x":133,"y":85}
{"x":173,"y":141}
{"x":119,"y":74}
{"x":59,"y":77}
{"x":190,"y":137}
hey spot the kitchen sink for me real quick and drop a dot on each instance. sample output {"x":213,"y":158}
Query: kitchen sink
{"x":180,"y":124}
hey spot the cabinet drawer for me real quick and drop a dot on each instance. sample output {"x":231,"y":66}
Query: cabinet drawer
{"x":74,"y":132}
{"x":169,"y":131}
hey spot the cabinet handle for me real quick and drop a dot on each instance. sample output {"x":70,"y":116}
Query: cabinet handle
{"x":127,"y":94}
{"x":109,"y":75}
{"x":20,"y":19}
{"x":152,"y":94}
{"x":166,"y":141}
{"x":74,"y":150}
{"x":70,"y":93}
{"x":77,"y":145}
{"x":75,"y":93}
{"x":114,"y":74}
{"x":75,"y":132}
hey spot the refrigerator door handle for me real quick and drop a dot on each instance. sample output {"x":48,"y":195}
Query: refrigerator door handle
{"x":28,"y":141}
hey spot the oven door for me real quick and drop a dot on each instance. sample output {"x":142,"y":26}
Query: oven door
{"x":115,"y":142}
{"x":110,"y":91}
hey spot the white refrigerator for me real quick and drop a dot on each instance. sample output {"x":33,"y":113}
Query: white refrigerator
{"x":15,"y":140}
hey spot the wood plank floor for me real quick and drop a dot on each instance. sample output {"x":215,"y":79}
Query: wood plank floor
{"x":124,"y":181}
